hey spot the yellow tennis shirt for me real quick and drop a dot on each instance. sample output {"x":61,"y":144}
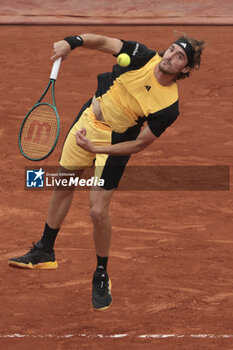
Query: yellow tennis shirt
{"x":129,"y":96}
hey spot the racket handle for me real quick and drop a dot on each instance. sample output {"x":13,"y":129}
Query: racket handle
{"x":55,"y":69}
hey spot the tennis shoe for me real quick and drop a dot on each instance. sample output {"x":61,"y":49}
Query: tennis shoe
{"x":36,"y":258}
{"x":101,"y":291}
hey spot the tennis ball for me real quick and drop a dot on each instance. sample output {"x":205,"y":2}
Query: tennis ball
{"x":123,"y":60}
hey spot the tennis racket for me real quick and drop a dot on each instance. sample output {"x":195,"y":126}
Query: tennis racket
{"x":40,"y":128}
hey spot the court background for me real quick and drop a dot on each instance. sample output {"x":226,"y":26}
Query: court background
{"x":171,"y":257}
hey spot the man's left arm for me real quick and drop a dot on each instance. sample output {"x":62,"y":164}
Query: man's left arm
{"x":144,"y":139}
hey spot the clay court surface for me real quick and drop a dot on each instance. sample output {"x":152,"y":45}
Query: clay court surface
{"x":172,"y":252}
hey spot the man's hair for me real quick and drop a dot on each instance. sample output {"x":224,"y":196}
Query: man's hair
{"x":198,"y":46}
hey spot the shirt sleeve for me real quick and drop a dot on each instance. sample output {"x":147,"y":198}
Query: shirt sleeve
{"x":158,"y":122}
{"x":139,"y":53}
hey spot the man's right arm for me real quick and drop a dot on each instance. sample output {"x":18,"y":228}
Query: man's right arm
{"x":62,"y":48}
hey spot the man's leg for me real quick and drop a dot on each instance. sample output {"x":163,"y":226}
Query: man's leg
{"x":61,"y":200}
{"x":41,"y":256}
{"x":99,"y":207}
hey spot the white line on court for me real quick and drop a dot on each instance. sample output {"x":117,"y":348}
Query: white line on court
{"x":117,"y":336}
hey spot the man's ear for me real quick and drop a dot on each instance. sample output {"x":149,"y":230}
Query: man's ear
{"x":186,"y":69}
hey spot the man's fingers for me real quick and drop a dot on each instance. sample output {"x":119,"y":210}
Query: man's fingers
{"x":54,"y":57}
{"x":80,"y":133}
{"x":83,"y":131}
{"x":80,"y":138}
{"x":60,"y":49}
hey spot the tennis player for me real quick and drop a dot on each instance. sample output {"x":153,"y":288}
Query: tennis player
{"x":107,"y":131}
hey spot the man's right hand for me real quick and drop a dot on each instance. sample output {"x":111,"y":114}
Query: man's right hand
{"x":61,"y":49}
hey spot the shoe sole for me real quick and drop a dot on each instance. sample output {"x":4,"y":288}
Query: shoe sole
{"x":50,"y":265}
{"x":105,"y":307}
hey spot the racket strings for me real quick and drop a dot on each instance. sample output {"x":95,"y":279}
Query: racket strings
{"x":39,"y":131}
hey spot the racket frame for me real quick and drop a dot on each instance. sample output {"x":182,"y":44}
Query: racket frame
{"x":52,"y":80}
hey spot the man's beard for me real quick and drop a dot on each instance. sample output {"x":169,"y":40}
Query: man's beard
{"x":165,"y":70}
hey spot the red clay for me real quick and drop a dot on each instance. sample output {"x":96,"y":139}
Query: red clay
{"x":172,"y":252}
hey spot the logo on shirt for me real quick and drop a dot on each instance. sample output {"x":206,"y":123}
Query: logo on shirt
{"x":136,"y":49}
{"x":148,"y":87}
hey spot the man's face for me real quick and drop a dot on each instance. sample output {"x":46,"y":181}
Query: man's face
{"x":174,"y":61}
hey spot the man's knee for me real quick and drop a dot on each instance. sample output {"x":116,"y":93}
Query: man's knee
{"x":99,"y":204}
{"x":98,"y":213}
